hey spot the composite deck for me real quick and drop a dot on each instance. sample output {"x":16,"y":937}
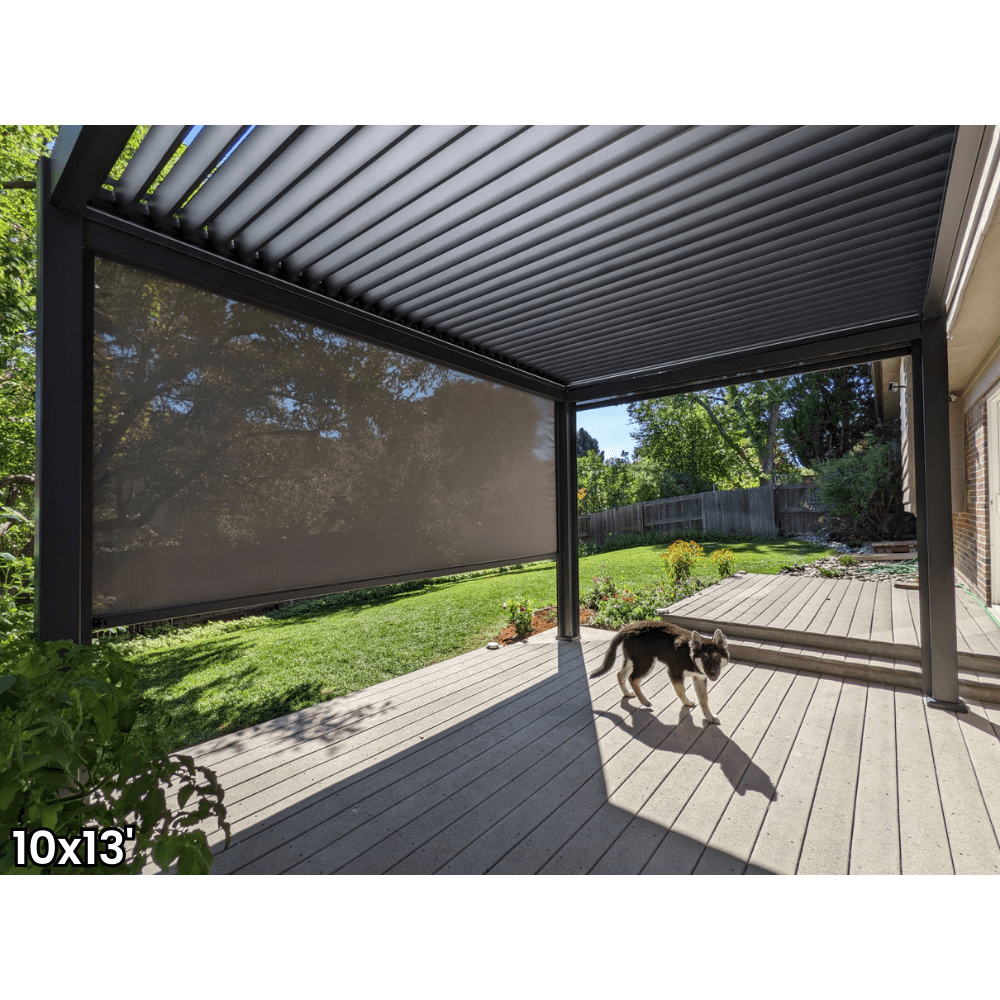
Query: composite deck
{"x":514,"y":761}
{"x":856,"y":628}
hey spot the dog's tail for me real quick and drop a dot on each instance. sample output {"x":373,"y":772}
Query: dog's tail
{"x":609,"y":657}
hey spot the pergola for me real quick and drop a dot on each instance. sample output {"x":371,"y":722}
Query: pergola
{"x":578,"y":265}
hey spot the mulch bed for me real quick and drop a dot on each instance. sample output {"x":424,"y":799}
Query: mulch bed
{"x":543,"y":618}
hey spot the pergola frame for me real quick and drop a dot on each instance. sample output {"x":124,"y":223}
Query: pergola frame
{"x":71,"y":233}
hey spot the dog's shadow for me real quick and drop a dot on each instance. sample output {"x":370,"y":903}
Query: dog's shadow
{"x":708,"y":741}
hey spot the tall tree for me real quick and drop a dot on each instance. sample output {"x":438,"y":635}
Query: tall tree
{"x":585,"y":442}
{"x":726,"y":436}
{"x":828,"y":413}
{"x":20,"y":147}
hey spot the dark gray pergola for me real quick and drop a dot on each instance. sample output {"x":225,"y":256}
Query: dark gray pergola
{"x":584,"y":264}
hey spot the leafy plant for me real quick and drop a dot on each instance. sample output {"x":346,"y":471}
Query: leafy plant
{"x":847,"y":560}
{"x":861,"y":490}
{"x":829,"y":573}
{"x":601,"y":589}
{"x":680,"y":559}
{"x":81,"y":749}
{"x":724,"y":561}
{"x":636,"y":604}
{"x":519,"y":613}
{"x":617,"y":603}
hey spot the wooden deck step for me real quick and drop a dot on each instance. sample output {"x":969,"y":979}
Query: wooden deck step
{"x":855,"y":629}
{"x":979,"y":662}
{"x":972,"y":684}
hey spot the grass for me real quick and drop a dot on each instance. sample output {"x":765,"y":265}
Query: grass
{"x":223,"y":676}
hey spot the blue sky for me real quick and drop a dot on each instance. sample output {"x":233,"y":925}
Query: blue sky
{"x":611,"y":426}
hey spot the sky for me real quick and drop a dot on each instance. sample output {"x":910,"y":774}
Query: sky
{"x":611,"y":426}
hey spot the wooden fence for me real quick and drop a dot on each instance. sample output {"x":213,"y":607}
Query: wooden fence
{"x":763,"y":511}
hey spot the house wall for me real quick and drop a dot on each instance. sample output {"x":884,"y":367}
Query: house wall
{"x":971,"y":508}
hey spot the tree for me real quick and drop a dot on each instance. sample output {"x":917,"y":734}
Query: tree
{"x":832,"y":413}
{"x":20,"y":147}
{"x":619,"y":483}
{"x":585,"y":442}
{"x":727,"y":436}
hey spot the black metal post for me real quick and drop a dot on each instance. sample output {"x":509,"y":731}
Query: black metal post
{"x":935,"y":542}
{"x":63,"y":423}
{"x":567,"y":565}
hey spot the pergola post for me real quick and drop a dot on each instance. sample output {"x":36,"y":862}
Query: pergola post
{"x":63,"y":423}
{"x":935,"y":543}
{"x":567,"y":565}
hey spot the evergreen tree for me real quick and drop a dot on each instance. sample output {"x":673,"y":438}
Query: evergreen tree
{"x":832,"y":412}
{"x":585,"y":442}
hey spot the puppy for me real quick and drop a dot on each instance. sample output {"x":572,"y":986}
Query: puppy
{"x":685,"y":653}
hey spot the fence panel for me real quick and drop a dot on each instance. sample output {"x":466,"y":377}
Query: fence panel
{"x":673,"y":514}
{"x":793,"y":517}
{"x":741,"y":512}
{"x":764,"y":511}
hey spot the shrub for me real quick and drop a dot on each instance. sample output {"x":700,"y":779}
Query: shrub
{"x":861,"y":491}
{"x":601,"y":589}
{"x":633,"y":539}
{"x":847,"y":560}
{"x":680,"y":559}
{"x":617,"y":604}
{"x":81,"y":749}
{"x":519,"y":614}
{"x":724,"y":561}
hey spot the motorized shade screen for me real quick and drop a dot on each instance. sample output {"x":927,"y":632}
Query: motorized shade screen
{"x":239,"y":452}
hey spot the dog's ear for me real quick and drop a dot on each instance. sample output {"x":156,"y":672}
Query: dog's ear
{"x":719,"y":639}
{"x":696,"y":641}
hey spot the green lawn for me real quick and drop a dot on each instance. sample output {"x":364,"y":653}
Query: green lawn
{"x":642,"y":566}
{"x":224,"y":676}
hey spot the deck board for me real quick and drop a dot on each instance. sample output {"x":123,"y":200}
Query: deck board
{"x":875,"y":843}
{"x":923,"y":839}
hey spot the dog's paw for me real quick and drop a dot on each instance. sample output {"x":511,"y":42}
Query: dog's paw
{"x":688,"y":704}
{"x":713,"y":720}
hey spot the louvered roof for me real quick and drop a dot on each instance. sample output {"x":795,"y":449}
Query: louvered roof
{"x":580,"y":253}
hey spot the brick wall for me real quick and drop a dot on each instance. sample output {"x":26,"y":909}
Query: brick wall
{"x":971,"y":525}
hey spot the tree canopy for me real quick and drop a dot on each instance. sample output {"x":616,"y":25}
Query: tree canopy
{"x":585,"y":442}
{"x":726,"y":436}
{"x":831,"y":413}
{"x":735,"y":436}
{"x":20,"y":147}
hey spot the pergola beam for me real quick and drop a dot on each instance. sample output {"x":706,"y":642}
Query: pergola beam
{"x":82,"y":158}
{"x":64,"y":423}
{"x":796,"y":358}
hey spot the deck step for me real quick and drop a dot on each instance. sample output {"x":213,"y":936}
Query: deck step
{"x":976,"y":662}
{"x":972,"y":684}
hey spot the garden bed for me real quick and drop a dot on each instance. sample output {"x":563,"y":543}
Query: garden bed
{"x":542,"y":620}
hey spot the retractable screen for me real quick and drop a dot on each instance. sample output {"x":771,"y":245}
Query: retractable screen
{"x":239,"y":452}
